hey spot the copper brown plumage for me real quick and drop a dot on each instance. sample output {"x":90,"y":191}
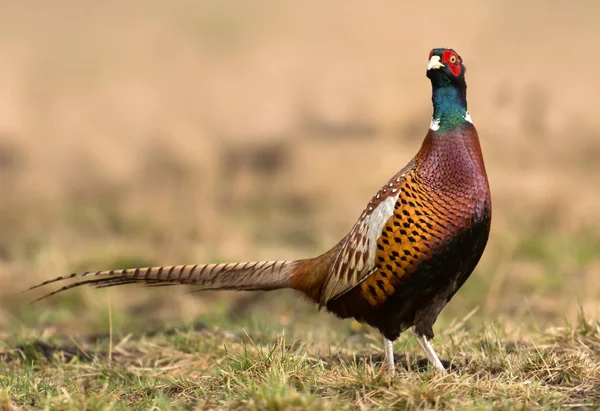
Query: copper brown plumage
{"x":412,"y":248}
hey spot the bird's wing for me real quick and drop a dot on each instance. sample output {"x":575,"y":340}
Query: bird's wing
{"x":356,"y":258}
{"x":401,"y":229}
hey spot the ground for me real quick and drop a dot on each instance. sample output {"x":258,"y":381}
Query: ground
{"x":136,"y":134}
{"x":304,"y":362}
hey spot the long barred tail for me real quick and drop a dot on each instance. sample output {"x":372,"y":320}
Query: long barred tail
{"x":264,"y":275}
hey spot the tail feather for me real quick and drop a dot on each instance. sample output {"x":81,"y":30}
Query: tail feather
{"x":263,"y":275}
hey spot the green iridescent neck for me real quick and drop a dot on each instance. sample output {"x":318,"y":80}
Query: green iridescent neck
{"x":449,"y":108}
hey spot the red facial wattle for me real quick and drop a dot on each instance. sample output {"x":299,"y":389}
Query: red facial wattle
{"x":452,"y":61}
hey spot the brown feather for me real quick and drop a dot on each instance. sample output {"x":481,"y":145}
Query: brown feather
{"x":265,"y":275}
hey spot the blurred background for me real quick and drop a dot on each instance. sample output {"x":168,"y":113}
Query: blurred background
{"x":156,"y":133}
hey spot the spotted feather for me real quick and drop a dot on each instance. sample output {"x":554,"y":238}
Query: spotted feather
{"x":356,"y":260}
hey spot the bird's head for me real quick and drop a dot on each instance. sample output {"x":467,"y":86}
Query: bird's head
{"x":445,"y":68}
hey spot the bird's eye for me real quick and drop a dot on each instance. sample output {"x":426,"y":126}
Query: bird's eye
{"x":452,"y":59}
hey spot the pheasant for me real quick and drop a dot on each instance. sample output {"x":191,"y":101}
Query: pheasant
{"x":415,"y":244}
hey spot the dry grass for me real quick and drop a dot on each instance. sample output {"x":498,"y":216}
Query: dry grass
{"x":161,"y":133}
{"x":209,"y":366}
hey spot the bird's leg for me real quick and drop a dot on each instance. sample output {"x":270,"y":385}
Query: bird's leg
{"x":429,"y":352}
{"x":389,"y":355}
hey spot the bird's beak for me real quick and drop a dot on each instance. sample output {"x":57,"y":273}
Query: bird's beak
{"x":434,"y":63}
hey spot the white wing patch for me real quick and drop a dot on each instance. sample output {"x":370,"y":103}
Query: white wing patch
{"x":356,"y":259}
{"x":375,"y":222}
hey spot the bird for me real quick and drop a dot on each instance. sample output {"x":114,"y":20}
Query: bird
{"x":415,"y":244}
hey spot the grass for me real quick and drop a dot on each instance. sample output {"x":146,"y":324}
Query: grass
{"x":220,"y":361}
{"x":160,"y":371}
{"x":143,"y":348}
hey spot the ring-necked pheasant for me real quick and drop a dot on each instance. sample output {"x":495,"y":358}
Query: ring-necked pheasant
{"x":413,"y":247}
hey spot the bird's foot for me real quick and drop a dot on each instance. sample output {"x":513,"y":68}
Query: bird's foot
{"x":389,"y":356}
{"x":430,"y":353}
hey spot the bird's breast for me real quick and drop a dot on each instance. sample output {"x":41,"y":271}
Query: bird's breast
{"x":450,"y":166}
